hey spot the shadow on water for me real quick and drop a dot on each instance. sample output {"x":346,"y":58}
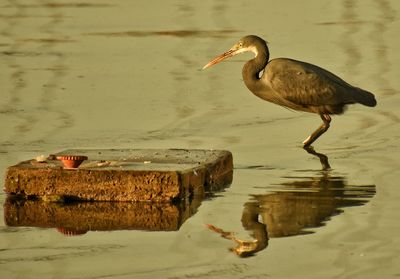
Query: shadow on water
{"x":302,"y":204}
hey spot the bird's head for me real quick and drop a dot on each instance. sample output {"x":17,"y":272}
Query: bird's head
{"x":247,"y":43}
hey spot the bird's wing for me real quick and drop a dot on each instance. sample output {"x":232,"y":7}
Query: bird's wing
{"x":306,"y":84}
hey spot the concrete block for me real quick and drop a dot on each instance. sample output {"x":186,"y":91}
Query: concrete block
{"x":159,"y":175}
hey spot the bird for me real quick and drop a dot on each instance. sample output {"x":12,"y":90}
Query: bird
{"x":294,"y":84}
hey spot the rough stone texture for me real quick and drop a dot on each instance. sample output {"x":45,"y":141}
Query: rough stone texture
{"x":123,"y":175}
{"x":80,"y":217}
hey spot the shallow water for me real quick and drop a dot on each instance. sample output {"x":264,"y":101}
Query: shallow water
{"x":126,"y":74}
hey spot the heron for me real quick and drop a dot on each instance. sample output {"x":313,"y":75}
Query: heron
{"x":295,"y":84}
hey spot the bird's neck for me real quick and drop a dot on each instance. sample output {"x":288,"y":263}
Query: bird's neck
{"x":252,"y":69}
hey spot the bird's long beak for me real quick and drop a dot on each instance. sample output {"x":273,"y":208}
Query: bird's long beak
{"x":229,"y":53}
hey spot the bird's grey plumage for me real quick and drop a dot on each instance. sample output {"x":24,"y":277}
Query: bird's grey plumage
{"x":295,"y":84}
{"x":311,"y":88}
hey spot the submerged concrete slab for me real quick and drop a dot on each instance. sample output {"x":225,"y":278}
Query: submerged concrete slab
{"x":123,"y":175}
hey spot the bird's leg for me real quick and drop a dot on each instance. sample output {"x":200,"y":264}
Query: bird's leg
{"x":322,"y":157}
{"x":317,"y":133}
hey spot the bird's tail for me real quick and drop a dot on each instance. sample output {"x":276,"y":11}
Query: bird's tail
{"x":364,"y":97}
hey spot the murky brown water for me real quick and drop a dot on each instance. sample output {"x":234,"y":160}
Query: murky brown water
{"x":126,"y":74}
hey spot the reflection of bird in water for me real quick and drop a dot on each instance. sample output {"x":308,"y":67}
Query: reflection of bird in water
{"x":243,"y":248}
{"x":308,"y":202}
{"x":304,"y":203}
{"x":294,"y":84}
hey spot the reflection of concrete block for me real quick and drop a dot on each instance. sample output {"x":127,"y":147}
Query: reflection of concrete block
{"x":80,"y":217}
{"x":123,"y":175}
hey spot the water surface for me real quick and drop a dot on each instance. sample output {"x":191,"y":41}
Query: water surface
{"x":126,"y":74}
